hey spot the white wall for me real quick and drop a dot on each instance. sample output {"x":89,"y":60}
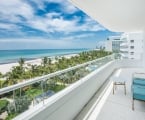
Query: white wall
{"x":108,"y":45}
{"x":109,"y":42}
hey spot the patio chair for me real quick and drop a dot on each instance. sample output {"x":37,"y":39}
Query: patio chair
{"x":138,"y":88}
{"x":139,"y":81}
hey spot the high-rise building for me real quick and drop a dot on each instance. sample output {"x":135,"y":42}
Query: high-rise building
{"x":131,"y":46}
{"x":113,"y":44}
{"x":128,"y":45}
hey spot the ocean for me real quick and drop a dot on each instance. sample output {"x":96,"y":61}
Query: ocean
{"x":10,"y":56}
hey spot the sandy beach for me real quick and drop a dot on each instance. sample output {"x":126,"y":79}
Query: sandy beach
{"x":4,"y":68}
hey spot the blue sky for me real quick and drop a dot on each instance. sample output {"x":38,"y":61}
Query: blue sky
{"x":44,"y":24}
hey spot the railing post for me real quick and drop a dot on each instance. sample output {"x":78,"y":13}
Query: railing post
{"x":14,"y":100}
{"x":42,"y":90}
{"x":20,"y":92}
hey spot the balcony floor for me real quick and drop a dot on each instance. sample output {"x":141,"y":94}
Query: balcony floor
{"x":119,"y":105}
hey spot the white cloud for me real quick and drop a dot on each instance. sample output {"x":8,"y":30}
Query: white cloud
{"x":40,"y":3}
{"x":92,"y":25}
{"x":53,"y":14}
{"x":8,"y":26}
{"x":51,"y":22}
{"x":66,"y":6}
{"x":78,"y":37}
{"x":35,"y":43}
{"x":10,"y":10}
{"x":13,"y":8}
{"x":38,"y":24}
{"x":101,"y":43}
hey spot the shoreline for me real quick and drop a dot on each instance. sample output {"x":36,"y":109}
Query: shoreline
{"x":12,"y":57}
{"x":9,"y":61}
{"x":6,"y":67}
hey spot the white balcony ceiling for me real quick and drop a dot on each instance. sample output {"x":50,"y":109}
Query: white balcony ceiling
{"x":116,"y":15}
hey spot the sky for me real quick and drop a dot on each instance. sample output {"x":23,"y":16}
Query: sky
{"x":47,"y":24}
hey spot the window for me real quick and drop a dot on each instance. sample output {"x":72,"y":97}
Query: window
{"x":132,"y":41}
{"x":131,"y":47}
{"x":131,"y":53}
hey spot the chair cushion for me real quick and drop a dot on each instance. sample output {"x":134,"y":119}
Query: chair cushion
{"x":138,"y":92}
{"x":134,"y":86}
{"x":139,"y":81}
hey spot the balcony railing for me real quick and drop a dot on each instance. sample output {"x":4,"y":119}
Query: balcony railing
{"x":124,"y":49}
{"x":27,"y":94}
{"x":124,"y":44}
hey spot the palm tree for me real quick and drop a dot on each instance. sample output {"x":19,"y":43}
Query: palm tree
{"x":49,"y":61}
{"x":19,"y":72}
{"x":1,"y":75}
{"x":33,"y":69}
{"x":44,"y":61}
{"x":9,"y":79}
{"x":1,"y":83}
{"x":1,"y":80}
{"x":21,"y":62}
{"x":56,"y":58}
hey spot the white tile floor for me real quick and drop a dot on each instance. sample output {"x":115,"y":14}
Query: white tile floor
{"x":119,"y":105}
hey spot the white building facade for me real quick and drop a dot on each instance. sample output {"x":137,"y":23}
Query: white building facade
{"x":113,"y":44}
{"x":131,"y":46}
{"x":128,"y":45}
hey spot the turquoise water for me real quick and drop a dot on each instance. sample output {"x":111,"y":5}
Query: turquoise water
{"x":8,"y":56}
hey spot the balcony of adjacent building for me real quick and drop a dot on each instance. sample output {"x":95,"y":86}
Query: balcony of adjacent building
{"x":124,"y":45}
{"x":124,"y":50}
{"x":124,"y":55}
{"x":123,"y":39}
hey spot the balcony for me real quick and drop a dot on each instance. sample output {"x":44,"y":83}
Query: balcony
{"x":35,"y":93}
{"x":124,"y":49}
{"x":82,"y":99}
{"x":124,"y":55}
{"x":118,"y":106}
{"x":124,"y":44}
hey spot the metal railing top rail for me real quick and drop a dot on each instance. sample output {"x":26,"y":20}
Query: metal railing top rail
{"x":45,"y":77}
